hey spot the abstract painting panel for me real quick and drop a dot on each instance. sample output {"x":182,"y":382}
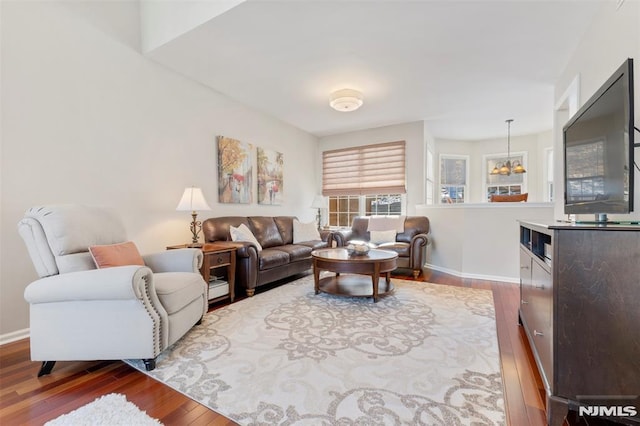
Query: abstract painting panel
{"x":270,"y":181}
{"x":235,"y":171}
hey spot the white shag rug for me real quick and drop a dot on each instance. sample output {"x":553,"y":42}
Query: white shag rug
{"x":108,"y":410}
{"x":425,"y":354}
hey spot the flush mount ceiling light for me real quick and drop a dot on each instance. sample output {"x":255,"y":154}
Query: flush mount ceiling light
{"x":345,"y":100}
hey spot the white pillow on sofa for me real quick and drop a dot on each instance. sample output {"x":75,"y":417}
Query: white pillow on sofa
{"x":381,"y":237}
{"x":305,"y":232}
{"x":243,"y":233}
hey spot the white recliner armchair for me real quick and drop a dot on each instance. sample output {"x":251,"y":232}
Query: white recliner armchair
{"x":78,"y":312}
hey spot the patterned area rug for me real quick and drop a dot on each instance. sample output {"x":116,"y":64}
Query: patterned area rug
{"x":425,"y":354}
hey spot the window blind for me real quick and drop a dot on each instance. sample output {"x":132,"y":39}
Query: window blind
{"x":364,"y":170}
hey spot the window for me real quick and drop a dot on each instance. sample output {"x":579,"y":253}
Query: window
{"x":364,"y":170}
{"x":454,"y":170}
{"x":385,"y":205}
{"x":363,"y":181}
{"x":343,"y":208}
{"x":512,"y":184}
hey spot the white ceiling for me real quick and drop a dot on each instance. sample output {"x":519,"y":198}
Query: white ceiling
{"x":464,"y":67}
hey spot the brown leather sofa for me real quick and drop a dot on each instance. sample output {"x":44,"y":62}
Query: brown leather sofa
{"x":279,"y":258}
{"x":411,"y":245}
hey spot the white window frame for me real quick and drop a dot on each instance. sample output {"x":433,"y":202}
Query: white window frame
{"x":486,"y":170}
{"x":362,"y":205}
{"x":547,"y":175}
{"x":431,"y":179}
{"x":465,"y":186}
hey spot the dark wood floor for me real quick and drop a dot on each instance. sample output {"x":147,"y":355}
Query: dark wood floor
{"x":26,"y":399}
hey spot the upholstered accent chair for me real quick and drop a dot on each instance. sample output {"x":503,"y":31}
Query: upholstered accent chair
{"x":409,"y":240}
{"x":78,"y":312}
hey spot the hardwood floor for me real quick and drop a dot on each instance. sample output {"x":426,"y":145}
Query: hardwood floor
{"x":26,"y":399}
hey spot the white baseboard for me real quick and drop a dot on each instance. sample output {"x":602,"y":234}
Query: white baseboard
{"x":13,"y":336}
{"x":473,"y":276}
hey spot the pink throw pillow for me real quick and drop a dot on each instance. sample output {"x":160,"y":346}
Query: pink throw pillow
{"x":111,"y":255}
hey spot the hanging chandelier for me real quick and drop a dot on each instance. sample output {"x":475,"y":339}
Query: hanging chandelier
{"x":508,"y":167}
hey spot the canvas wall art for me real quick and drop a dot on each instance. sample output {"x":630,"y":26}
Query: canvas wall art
{"x":235,"y":171}
{"x":270,"y":181}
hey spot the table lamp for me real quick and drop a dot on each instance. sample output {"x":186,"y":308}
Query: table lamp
{"x":319,"y":202}
{"x":193,"y":200}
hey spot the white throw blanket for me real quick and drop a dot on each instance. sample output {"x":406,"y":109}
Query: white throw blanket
{"x":109,"y":410}
{"x":386,"y":223}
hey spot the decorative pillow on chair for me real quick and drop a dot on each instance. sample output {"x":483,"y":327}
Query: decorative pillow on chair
{"x":305,"y":232}
{"x":123,"y":254}
{"x":243,"y":233}
{"x":381,"y":237}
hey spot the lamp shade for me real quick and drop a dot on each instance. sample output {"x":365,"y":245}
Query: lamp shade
{"x":192,"y":200}
{"x":518,"y":168}
{"x":319,"y":202}
{"x":346,"y":100}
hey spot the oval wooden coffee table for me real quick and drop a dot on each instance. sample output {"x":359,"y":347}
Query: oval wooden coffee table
{"x":367,"y":269}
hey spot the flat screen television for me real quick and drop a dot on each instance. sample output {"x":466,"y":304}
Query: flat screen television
{"x":598,"y":150}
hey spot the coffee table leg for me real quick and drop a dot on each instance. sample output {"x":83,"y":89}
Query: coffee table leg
{"x":316,"y":277}
{"x":375,"y":278}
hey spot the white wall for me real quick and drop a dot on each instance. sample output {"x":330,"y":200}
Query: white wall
{"x":162,"y":21}
{"x":86,"y":118}
{"x":533,"y":145}
{"x":480,"y":240}
{"x":415,"y":136}
{"x":613,"y":37}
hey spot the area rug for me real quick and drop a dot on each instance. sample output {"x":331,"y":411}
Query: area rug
{"x":425,"y":354}
{"x":109,"y":410}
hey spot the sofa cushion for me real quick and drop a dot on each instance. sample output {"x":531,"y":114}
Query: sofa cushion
{"x":243,"y":234}
{"x":111,"y":255}
{"x":271,"y":258}
{"x":71,"y":228}
{"x":403,"y":249}
{"x":285,"y":226}
{"x":177,"y":289}
{"x":305,"y":231}
{"x":384,"y":223}
{"x":359,"y":228}
{"x":318,"y":244}
{"x":296,"y":251}
{"x":75,"y":262}
{"x":266,"y":231}
{"x":218,"y":228}
{"x":381,"y":237}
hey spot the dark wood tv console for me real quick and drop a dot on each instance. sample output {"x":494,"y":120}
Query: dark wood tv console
{"x":580,"y":309}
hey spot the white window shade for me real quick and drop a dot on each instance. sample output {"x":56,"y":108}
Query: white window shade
{"x":364,"y":170}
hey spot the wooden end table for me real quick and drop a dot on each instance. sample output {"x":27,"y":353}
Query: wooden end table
{"x":367,"y":269}
{"x":220,"y":254}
